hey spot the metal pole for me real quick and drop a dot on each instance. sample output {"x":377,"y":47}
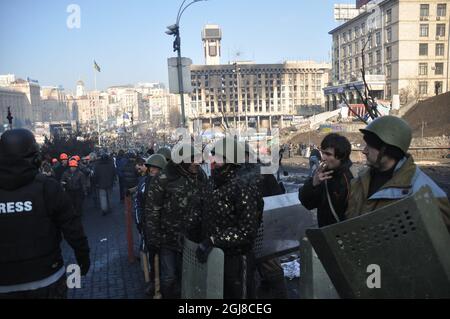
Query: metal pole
{"x":180,"y":80}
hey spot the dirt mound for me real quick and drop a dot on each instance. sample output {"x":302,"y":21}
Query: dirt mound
{"x":434,"y":113}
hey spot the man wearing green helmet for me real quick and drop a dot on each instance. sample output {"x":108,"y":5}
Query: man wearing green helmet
{"x":154,"y":164}
{"x":228,"y":216}
{"x":392,"y":174}
{"x":169,"y":197}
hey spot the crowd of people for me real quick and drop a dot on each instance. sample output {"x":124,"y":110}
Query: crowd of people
{"x":175,"y":200}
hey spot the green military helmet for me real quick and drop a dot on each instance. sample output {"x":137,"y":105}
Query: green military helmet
{"x":231,"y":150}
{"x":156,"y":160}
{"x":392,"y":131}
{"x":166,"y":152}
{"x":186,"y":153}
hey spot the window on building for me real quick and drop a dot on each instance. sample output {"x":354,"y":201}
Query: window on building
{"x":440,"y":49}
{"x":357,"y":63}
{"x":424,"y":28}
{"x":378,"y":38}
{"x":423,"y":68}
{"x":440,"y":30}
{"x":388,"y":53}
{"x":438,"y":87}
{"x":424,"y":10}
{"x":441,"y":10}
{"x":423,"y":87}
{"x":363,"y":28}
{"x":423,"y":49}
{"x":370,"y":58}
{"x":389,"y":34}
{"x":389,"y":16}
{"x":439,"y":68}
{"x":378,"y":56}
{"x":388,"y":71}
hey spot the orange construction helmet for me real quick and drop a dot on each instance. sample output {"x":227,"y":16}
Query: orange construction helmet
{"x":73,"y":163}
{"x":76,"y":157}
{"x":54,"y":161}
{"x":63,"y":157}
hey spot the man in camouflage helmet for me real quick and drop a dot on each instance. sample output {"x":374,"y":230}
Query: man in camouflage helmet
{"x":392,"y":174}
{"x":169,"y":197}
{"x":154,"y":164}
{"x":228,"y":217}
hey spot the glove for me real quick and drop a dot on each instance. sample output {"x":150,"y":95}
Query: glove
{"x":203,"y":250}
{"x":84,"y":261}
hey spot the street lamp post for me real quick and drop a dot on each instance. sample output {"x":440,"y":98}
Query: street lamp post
{"x":175,"y":31}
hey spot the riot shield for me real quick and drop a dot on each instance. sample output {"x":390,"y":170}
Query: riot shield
{"x":284,"y":223}
{"x":399,"y":251}
{"x":201,"y":281}
{"x":314,"y":281}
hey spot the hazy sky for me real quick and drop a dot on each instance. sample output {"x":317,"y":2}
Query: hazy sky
{"x":127,"y":38}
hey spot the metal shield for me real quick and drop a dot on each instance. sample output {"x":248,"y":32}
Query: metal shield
{"x":202,"y":281}
{"x":399,"y":251}
{"x":284,"y":223}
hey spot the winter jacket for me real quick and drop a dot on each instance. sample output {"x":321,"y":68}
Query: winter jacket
{"x":169,"y":198}
{"x":34,"y":214}
{"x":406,"y":181}
{"x":104,"y":173}
{"x":74,"y":181}
{"x":316,"y":197}
{"x":130,"y":175}
{"x":230,"y":210}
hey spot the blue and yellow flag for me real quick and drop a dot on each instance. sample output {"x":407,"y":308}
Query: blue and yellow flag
{"x":96,"y":67}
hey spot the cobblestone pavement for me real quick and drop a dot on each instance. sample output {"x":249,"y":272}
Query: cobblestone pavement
{"x":111,"y":276}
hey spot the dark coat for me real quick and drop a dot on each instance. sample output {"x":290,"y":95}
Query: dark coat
{"x":316,"y":197}
{"x":104,"y":173}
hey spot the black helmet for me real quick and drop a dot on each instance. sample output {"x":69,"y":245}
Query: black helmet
{"x":18,"y":143}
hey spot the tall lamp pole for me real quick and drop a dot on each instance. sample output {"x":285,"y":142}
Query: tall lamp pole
{"x":175,"y":31}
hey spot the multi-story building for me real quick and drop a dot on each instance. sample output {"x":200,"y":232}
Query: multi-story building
{"x":405,"y":45}
{"x":255,"y":95}
{"x":54,"y":105}
{"x":245,"y":94}
{"x":7,"y":79}
{"x":91,"y":108}
{"x":32,"y":91}
{"x":19,"y":105}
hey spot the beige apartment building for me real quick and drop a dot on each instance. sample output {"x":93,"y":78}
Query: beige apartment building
{"x":54,"y":105}
{"x":32,"y":91}
{"x":19,"y":106}
{"x":89,"y":108}
{"x":406,"y":51}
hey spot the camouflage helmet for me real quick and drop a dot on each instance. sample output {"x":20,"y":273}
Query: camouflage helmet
{"x":231,"y":150}
{"x":186,"y":153}
{"x":166,"y":152}
{"x":156,"y":160}
{"x":392,"y":131}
